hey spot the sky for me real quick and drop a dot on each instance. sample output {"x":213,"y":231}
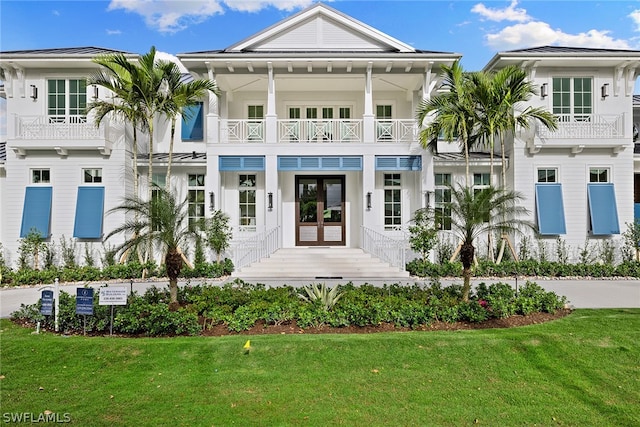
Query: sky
{"x":475,"y":29}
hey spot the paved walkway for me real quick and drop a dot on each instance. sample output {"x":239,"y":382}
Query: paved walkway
{"x":580,"y":293}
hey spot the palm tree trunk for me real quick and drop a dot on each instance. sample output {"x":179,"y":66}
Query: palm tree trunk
{"x":466,"y":159}
{"x":173,"y":263}
{"x":466,"y":257}
{"x":173,"y":133}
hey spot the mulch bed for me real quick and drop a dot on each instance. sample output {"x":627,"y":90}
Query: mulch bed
{"x":291,"y":328}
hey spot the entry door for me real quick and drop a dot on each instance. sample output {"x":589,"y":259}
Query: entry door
{"x":320,"y":215}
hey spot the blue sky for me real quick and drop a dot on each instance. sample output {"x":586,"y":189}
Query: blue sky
{"x":475,"y":29}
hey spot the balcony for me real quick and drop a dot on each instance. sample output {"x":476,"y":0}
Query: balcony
{"x":582,"y":131}
{"x":319,"y":131}
{"x":61,"y":133}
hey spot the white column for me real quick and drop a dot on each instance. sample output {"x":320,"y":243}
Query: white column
{"x":369,"y":218}
{"x":271,"y":185}
{"x":212,"y":182}
{"x":368,"y":118}
{"x":271,"y":118}
{"x":213,"y":114}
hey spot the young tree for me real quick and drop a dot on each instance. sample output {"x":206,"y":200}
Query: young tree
{"x":161,"y":222}
{"x":423,"y":233}
{"x":218,"y":233}
{"x":471,"y":211}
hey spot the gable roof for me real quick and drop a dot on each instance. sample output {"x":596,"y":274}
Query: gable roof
{"x":66,"y":57}
{"x":320,"y":28}
{"x":87,"y":50}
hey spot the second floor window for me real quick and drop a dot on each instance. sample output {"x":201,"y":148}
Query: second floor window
{"x":66,"y":100}
{"x":384,"y":128}
{"x":255,"y":114}
{"x":392,"y":201}
{"x":573,"y":98}
{"x":91,"y":175}
{"x":40,"y":176}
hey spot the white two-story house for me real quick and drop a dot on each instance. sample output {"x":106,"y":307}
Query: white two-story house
{"x":312,"y":141}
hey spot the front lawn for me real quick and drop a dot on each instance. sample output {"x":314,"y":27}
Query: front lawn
{"x":580,"y":370}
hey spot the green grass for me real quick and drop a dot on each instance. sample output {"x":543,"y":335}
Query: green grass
{"x":582,"y":370}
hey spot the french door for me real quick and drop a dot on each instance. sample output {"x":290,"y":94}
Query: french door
{"x":320,"y":214}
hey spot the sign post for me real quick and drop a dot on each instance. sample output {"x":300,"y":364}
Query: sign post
{"x":116,"y":295}
{"x":84,"y":304}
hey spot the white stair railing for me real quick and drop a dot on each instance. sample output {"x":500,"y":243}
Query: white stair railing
{"x":387,"y":248}
{"x":248,"y":250}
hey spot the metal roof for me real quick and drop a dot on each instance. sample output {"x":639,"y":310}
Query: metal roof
{"x":193,"y":157}
{"x":3,"y":152}
{"x":569,"y":49}
{"x":636,"y":100}
{"x":87,"y":50}
{"x":474,"y":157}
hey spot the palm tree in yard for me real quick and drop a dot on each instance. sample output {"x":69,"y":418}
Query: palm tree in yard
{"x":470,"y":214}
{"x":179,"y":96}
{"x":161,"y":222}
{"x":450,"y":115}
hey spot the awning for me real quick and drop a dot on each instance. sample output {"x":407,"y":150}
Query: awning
{"x":550,"y":209}
{"x":322,"y":163}
{"x":36,"y":213}
{"x":603,"y":209}
{"x":241,"y":163}
{"x":398,"y":163}
{"x":89,"y":213}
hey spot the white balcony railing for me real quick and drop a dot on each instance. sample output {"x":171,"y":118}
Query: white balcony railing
{"x":586,"y":126}
{"x":389,"y":248}
{"x":319,"y":131}
{"x":56,"y":128}
{"x":396,"y":130}
{"x":242,"y":130}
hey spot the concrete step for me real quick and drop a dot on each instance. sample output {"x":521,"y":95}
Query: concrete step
{"x":320,"y":262}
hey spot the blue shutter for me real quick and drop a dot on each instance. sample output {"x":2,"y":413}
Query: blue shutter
{"x":192,"y":123}
{"x":398,"y":163}
{"x":636,"y":211}
{"x":36,"y":213}
{"x":89,"y":213}
{"x":550,"y":209}
{"x":241,"y":163}
{"x":326,"y":163}
{"x":603,"y":209}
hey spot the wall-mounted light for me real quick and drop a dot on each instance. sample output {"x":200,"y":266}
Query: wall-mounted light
{"x":212,"y":201}
{"x":369,"y":201}
{"x":270,"y":201}
{"x":95,"y":92}
{"x":543,"y":90}
{"x":34,"y":92}
{"x":605,"y":90}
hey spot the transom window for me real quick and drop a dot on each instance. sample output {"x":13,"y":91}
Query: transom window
{"x":40,"y":176}
{"x":547,"y":175}
{"x":67,"y":100}
{"x":598,"y":175}
{"x":247,"y":202}
{"x":442,"y":197}
{"x":392,"y":201}
{"x":195,"y":183}
{"x":91,"y":175}
{"x":573,"y":98}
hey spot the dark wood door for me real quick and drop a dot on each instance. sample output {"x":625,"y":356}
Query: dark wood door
{"x":320,"y":214}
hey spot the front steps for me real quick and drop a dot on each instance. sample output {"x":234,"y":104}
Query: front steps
{"x":320,"y":263}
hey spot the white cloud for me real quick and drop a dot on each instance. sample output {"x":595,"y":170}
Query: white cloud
{"x":170,"y":16}
{"x":509,"y":13}
{"x":635,"y":17}
{"x":113,"y":32}
{"x":540,"y":33}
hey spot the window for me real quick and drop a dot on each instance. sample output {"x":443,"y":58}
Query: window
{"x":40,"y":176}
{"x":195,"y":184}
{"x":598,"y":175}
{"x":392,"y":201}
{"x":158,"y":180}
{"x":91,"y":175}
{"x":572,"y":98}
{"x":384,"y":126}
{"x":547,"y":175}
{"x":442,"y":196}
{"x":480,"y":181}
{"x":192,"y":123}
{"x":66,"y":100}
{"x":247,"y":190}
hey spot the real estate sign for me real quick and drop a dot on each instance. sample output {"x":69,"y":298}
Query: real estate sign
{"x":116,"y":295}
{"x":46,"y":307}
{"x":84,"y":301}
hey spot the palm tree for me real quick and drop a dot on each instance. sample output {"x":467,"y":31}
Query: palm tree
{"x":451,"y":114}
{"x":179,"y":96}
{"x":511,"y":87}
{"x":161,"y":222}
{"x":470,"y":213}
